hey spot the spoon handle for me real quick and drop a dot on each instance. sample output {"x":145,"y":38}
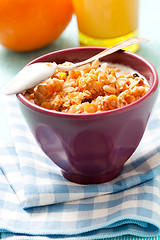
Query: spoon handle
{"x":126,"y":43}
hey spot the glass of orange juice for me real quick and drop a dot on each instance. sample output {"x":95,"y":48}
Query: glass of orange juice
{"x":106,"y":22}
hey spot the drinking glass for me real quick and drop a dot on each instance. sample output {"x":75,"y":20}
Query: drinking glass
{"x":106,"y":22}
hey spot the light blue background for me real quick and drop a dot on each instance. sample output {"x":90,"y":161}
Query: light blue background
{"x":11,"y":62}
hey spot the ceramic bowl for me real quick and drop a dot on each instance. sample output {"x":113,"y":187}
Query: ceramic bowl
{"x":92,"y":148}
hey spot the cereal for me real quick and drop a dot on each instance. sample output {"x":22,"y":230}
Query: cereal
{"x":92,"y":88}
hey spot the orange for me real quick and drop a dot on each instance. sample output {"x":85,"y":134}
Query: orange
{"x":27,"y":25}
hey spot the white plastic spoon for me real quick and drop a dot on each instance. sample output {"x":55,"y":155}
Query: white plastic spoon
{"x":34,"y":74}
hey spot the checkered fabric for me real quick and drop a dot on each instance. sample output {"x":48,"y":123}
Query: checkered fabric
{"x":37,"y":202}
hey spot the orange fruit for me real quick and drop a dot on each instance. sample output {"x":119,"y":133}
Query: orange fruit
{"x":27,"y":25}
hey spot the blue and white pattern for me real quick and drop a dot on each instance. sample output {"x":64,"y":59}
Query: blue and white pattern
{"x":38,"y":203}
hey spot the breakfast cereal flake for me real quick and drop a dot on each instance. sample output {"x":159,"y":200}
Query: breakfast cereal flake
{"x":89,"y":89}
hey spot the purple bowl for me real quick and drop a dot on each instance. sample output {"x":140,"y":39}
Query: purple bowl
{"x":92,"y":148}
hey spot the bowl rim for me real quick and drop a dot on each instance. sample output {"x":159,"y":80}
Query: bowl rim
{"x":45,"y":111}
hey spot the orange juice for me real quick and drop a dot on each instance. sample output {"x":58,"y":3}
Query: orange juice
{"x":106,"y":22}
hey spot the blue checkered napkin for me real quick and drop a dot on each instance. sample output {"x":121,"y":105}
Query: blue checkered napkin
{"x":10,"y":236}
{"x":135,"y":211}
{"x":42,"y":180}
